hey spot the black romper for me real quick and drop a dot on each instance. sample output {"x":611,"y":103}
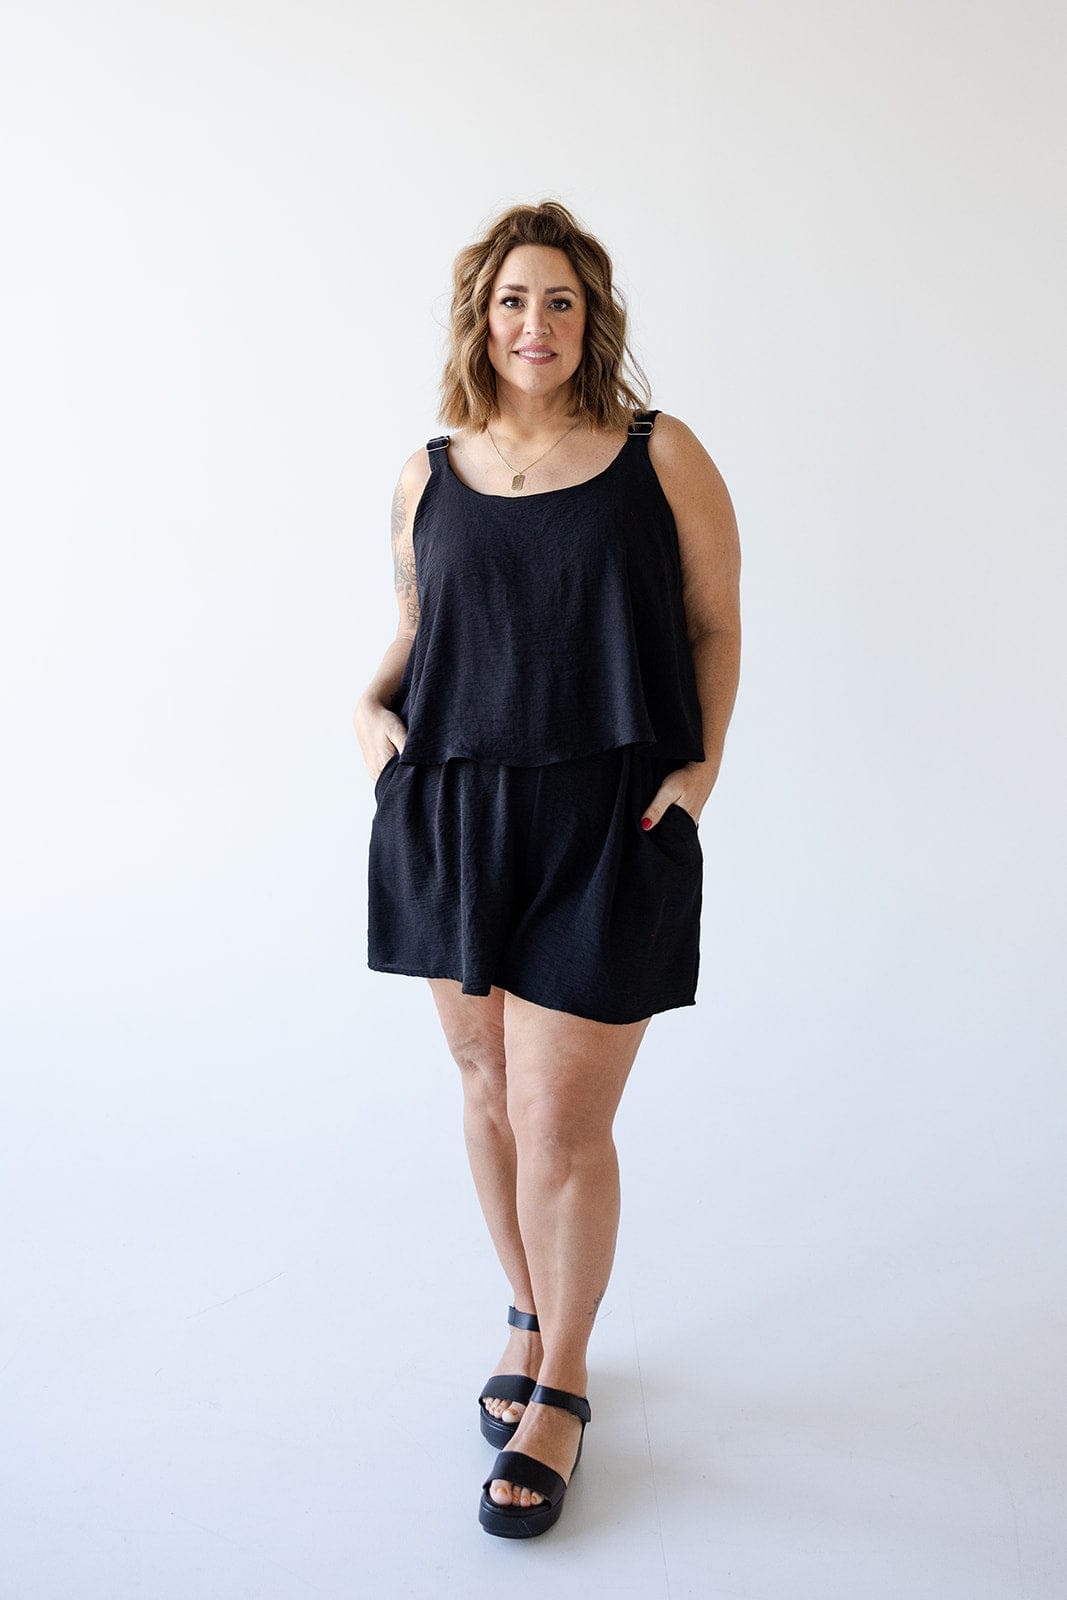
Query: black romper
{"x":549,"y":689}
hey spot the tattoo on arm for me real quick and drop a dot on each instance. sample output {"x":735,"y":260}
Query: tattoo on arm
{"x":404,"y":560}
{"x":399,"y":512}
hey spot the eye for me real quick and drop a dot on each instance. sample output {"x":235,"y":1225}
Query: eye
{"x":558,"y":301}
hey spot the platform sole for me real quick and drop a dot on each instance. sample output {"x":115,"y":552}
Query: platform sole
{"x":520,"y":1522}
{"x":498,"y":1433}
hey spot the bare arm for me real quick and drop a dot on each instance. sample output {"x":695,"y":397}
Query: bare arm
{"x":378,"y":729}
{"x":710,"y":552}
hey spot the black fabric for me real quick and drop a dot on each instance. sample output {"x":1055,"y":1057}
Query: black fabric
{"x":551,"y":625}
{"x":539,"y":880}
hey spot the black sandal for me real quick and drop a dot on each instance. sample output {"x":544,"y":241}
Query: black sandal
{"x":507,"y":1386}
{"x":524,"y":1522}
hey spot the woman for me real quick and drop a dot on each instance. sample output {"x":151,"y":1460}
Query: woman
{"x":543,"y":734}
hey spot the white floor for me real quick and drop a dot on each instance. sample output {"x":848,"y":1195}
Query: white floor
{"x":243,"y":1336}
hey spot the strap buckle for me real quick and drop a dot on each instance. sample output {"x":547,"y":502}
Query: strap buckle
{"x":439,"y":443}
{"x":641,"y":429}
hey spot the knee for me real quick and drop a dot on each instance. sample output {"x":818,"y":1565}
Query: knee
{"x":483,"y":1075}
{"x":558,"y":1135}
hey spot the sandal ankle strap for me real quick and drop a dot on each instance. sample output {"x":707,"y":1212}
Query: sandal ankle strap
{"x":523,"y":1319}
{"x":577,"y":1404}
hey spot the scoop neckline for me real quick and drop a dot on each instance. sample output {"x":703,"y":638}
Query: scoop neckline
{"x":541,"y":494}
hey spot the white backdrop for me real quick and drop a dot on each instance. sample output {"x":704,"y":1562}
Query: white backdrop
{"x":232,"y":1173}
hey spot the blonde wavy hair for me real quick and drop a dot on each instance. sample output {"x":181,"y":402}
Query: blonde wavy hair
{"x":601,"y":393}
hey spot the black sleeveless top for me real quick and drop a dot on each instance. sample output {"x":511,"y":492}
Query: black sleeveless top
{"x":551,"y":625}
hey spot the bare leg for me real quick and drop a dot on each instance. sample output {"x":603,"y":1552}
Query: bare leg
{"x":565,"y":1077}
{"x":474,"y":1028}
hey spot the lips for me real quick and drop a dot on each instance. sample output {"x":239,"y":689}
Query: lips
{"x":536,"y":356}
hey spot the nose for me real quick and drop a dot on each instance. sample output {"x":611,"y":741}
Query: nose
{"x":536,"y":322}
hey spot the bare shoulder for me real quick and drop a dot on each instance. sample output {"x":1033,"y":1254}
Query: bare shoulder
{"x":708,"y":539}
{"x":692,"y":482}
{"x":678,"y":456}
{"x":414,"y":474}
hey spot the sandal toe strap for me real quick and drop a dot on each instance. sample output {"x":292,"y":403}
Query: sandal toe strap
{"x":509,"y":1386}
{"x":516,"y":1467}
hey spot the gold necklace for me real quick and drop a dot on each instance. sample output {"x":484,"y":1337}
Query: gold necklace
{"x":520,"y":477}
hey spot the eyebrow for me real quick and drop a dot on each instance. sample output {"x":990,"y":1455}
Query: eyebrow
{"x":521,"y":287}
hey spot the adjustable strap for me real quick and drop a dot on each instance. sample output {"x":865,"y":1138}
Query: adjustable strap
{"x":578,"y":1404}
{"x":641,"y":426}
{"x":436,"y":447}
{"x":523,"y":1319}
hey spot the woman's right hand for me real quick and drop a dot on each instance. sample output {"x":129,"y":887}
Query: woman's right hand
{"x":380,"y":733}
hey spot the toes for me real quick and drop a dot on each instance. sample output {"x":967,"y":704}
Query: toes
{"x":504,"y":1410}
{"x":513,"y":1494}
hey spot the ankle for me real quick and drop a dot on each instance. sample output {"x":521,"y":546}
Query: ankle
{"x":564,"y":1375}
{"x":525,"y":1340}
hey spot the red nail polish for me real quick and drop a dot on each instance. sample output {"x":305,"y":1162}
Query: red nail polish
{"x":646,"y":822}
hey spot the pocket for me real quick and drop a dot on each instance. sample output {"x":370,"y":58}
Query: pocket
{"x":687,"y":816}
{"x":389,"y":765}
{"x":679,"y":835}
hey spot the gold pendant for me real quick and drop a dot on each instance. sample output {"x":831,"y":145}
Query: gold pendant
{"x":518,"y":480}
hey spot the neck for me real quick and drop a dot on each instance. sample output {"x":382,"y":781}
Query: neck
{"x":525,"y":418}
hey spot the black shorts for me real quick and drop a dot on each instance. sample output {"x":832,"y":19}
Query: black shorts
{"x":540,"y":880}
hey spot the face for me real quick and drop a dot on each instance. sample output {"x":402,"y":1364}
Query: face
{"x":536,"y":320}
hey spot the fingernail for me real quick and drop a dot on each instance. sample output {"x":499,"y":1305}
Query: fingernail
{"x":646,"y":822}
